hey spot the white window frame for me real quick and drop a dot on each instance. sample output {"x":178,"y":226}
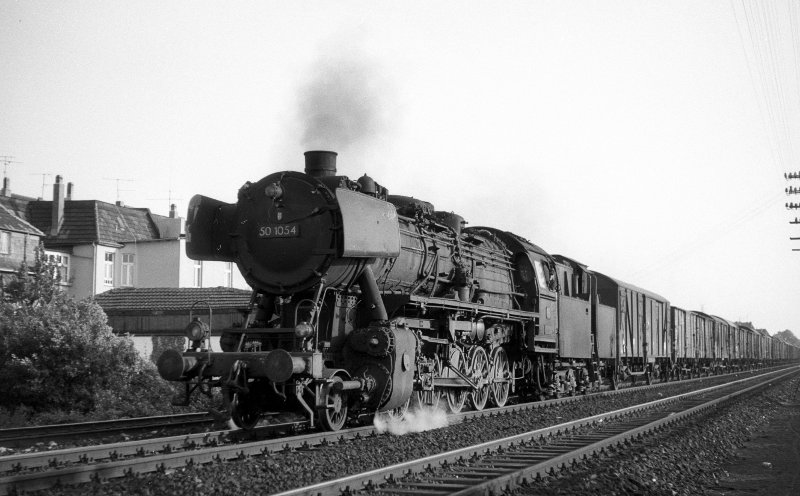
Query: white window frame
{"x":128,"y":261}
{"x":108,"y":268}
{"x":197,"y":274}
{"x":61,"y":261}
{"x":5,"y":243}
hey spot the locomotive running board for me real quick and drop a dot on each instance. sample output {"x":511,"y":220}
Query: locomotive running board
{"x":435,"y":302}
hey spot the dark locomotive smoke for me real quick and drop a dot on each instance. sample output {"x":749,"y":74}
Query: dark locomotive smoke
{"x":344,"y":104}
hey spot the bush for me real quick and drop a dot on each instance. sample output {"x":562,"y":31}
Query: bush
{"x":61,"y":355}
{"x":60,"y":359}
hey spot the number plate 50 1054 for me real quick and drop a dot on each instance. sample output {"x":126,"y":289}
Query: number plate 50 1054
{"x":279,"y":231}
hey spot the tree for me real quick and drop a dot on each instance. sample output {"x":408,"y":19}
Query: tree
{"x":789,"y":337}
{"x":57,"y":353}
{"x":32,"y":284}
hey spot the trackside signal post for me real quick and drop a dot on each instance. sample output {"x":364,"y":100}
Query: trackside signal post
{"x":793,"y":190}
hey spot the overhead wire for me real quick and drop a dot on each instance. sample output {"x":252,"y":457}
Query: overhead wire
{"x":753,"y":61}
{"x":769,"y":33}
{"x":760,"y":33}
{"x":706,"y":237}
{"x":764,"y":25}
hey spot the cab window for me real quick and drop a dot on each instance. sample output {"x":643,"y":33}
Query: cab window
{"x":543,"y":275}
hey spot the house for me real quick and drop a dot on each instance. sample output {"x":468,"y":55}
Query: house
{"x":100,"y":246}
{"x":18,"y":241}
{"x":156,"y":318}
{"x":165,"y":311}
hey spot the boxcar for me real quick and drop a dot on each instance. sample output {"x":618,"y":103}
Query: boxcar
{"x":636,"y":341}
{"x":767,"y":340}
{"x":740,"y":339}
{"x":701,"y":327}
{"x":762,"y":348}
{"x":750,"y":354}
{"x":683,"y":343}
{"x":725,"y":336}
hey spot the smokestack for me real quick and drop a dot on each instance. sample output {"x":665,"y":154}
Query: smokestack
{"x":173,"y":211}
{"x":6,"y":187}
{"x":58,"y":207}
{"x":320,"y":163}
{"x":70,"y":189}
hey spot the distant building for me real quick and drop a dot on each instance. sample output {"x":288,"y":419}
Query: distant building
{"x":165,"y":311}
{"x":18,"y":242}
{"x":100,"y":246}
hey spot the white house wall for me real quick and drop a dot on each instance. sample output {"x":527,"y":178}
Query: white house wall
{"x":81,"y":271}
{"x":214,"y":273}
{"x":154,"y":264}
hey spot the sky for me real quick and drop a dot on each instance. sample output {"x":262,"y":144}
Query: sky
{"x":645,"y":139}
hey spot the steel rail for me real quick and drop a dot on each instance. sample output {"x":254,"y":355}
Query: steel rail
{"x":177,"y":451}
{"x":43,"y":432}
{"x":38,"y":460}
{"x":498,"y":477}
{"x":85,"y":473}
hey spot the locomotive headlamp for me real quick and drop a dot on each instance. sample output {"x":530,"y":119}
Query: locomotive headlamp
{"x":303,"y":330}
{"x":197,"y":330}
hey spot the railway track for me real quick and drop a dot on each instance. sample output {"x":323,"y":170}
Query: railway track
{"x":41,"y":470}
{"x":498,"y":466}
{"x":27,"y":435}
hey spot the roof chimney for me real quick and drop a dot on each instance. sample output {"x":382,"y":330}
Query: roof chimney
{"x":173,"y":211}
{"x":6,"y":187}
{"x":58,"y":207}
{"x":70,"y":190}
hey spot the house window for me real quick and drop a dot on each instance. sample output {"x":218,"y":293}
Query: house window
{"x":108,"y":270}
{"x":61,"y":262}
{"x":198,"y":274}
{"x":229,"y":274}
{"x":127,"y":269}
{"x":5,"y":242}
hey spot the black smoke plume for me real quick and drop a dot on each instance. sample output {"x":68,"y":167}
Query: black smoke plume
{"x":344,"y":105}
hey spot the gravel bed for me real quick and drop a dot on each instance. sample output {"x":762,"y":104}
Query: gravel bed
{"x":281,"y":471}
{"x":686,"y":461}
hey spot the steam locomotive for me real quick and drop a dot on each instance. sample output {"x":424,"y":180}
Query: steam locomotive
{"x":365,"y":302}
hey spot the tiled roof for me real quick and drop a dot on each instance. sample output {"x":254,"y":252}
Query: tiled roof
{"x":163,"y":299}
{"x":87,"y":221}
{"x":11,"y":222}
{"x":16,"y":203}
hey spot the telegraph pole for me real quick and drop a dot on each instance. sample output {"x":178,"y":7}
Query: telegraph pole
{"x":791,"y":205}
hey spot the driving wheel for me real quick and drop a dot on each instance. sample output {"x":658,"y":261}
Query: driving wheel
{"x":500,"y":377}
{"x":479,"y":373}
{"x":333,"y":414}
{"x":456,"y":397}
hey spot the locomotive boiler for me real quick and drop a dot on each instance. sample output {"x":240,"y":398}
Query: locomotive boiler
{"x":360,"y":301}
